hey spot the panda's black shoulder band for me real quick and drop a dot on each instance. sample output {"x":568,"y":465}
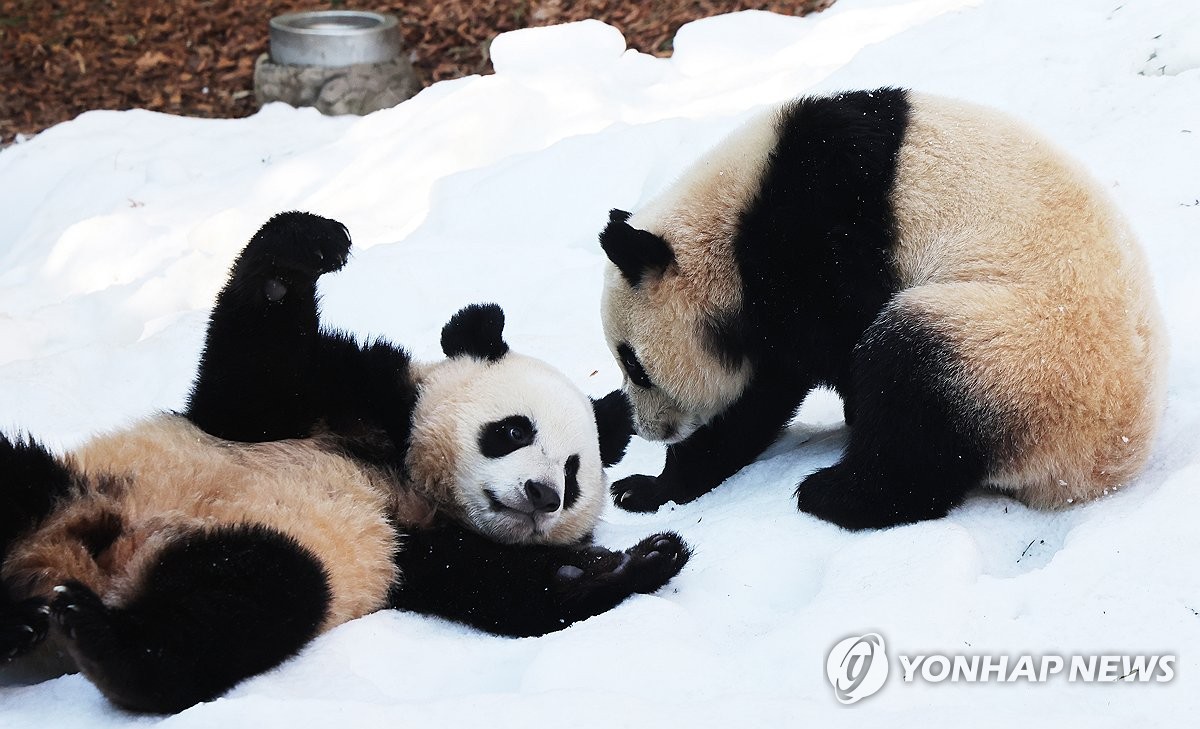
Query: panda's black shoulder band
{"x":476,"y":331}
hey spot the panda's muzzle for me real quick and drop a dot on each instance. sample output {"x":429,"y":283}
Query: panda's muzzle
{"x":542,"y":497}
{"x":539,"y":498}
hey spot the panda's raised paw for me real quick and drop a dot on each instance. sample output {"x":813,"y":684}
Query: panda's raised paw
{"x":639,"y":493}
{"x":23,"y":625}
{"x":302,"y":242}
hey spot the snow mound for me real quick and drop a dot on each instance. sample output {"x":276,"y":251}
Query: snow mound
{"x":119,"y":227}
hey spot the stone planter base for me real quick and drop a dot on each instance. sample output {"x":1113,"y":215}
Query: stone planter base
{"x":358,"y":89}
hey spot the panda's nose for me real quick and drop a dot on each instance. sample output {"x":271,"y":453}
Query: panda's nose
{"x":541,"y":496}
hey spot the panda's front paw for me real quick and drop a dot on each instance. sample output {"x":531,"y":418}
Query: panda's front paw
{"x":639,"y":493}
{"x":23,"y":626}
{"x":302,"y":243}
{"x":645,"y":567}
{"x":656,"y":559}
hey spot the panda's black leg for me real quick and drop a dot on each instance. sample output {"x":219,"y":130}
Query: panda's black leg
{"x":32,"y":481}
{"x":718,"y":450}
{"x":918,"y":444}
{"x":215,"y":608}
{"x":23,"y":625}
{"x":255,"y":377}
{"x":525,"y":590}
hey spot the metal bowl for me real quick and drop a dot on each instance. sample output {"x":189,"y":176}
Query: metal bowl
{"x":334,"y":38}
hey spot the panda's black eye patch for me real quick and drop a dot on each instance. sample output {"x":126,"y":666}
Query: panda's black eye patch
{"x":633,"y":368}
{"x":571,"y":492}
{"x":501,"y":437}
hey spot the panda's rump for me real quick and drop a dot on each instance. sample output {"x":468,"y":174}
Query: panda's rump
{"x":1069,"y":394}
{"x":164,"y":479}
{"x":1026,"y":268}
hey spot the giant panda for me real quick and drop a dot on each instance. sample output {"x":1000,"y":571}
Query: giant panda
{"x":309,"y":481}
{"x":982,"y":310}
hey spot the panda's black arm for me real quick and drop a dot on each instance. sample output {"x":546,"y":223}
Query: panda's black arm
{"x":717,"y":450}
{"x":525,"y":590}
{"x":256,"y":379}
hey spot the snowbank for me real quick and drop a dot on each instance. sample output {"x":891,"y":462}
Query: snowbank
{"x":118,"y":229}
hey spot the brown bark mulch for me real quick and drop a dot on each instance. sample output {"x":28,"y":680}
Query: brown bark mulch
{"x":59,"y":58}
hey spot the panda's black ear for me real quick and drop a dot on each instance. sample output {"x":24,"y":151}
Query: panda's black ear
{"x":636,"y":253}
{"x":614,"y":420}
{"x":618,"y":216}
{"x":476,"y":331}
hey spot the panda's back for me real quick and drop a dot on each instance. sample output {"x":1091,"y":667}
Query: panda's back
{"x":980,"y":196}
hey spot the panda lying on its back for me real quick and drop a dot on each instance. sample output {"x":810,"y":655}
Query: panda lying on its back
{"x":311,"y":481}
{"x":982,"y":310}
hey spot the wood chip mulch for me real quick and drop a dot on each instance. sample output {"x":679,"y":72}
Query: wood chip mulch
{"x":59,"y":58}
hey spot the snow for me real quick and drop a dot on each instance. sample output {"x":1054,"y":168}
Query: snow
{"x":118,"y":228}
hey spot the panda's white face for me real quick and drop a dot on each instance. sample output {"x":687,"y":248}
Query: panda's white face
{"x":673,"y":379}
{"x":658,"y":330}
{"x":510,"y":447}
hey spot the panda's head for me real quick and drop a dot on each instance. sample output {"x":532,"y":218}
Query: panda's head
{"x":671,"y":308}
{"x":506,"y":444}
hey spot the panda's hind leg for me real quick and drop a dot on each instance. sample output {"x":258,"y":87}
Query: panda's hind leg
{"x":32,"y":483}
{"x":216,"y":607}
{"x":920,"y":439}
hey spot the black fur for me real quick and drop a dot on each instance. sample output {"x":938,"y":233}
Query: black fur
{"x":614,"y":421}
{"x":618,"y":216}
{"x":633,"y":366}
{"x":636,"y":253}
{"x":525,"y":590}
{"x":813,"y":256}
{"x":215,"y":608}
{"x":262,"y":333}
{"x":23,"y":625}
{"x":919,"y":443}
{"x":571,"y":474}
{"x":32,"y":482}
{"x":268,"y":372}
{"x":477,"y":331}
{"x":505,"y":436}
{"x":725,"y":338}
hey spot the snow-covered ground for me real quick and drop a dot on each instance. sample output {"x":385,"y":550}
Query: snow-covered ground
{"x":117,"y":230}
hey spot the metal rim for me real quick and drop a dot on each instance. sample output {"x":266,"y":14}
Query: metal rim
{"x":334,"y":38}
{"x":333,"y":22}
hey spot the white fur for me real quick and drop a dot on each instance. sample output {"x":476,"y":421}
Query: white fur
{"x":458,"y":397}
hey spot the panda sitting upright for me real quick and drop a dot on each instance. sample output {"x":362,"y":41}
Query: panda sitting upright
{"x":310,"y":481}
{"x":984,"y":312}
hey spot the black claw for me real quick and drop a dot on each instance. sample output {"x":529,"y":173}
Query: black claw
{"x":23,"y":625}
